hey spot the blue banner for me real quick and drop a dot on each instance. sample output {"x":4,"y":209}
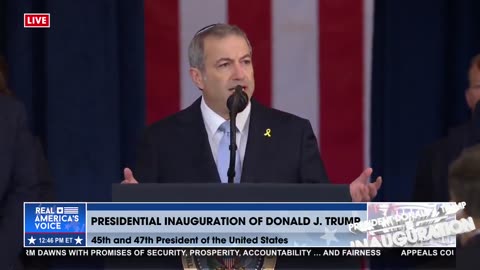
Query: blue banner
{"x":243,"y":225}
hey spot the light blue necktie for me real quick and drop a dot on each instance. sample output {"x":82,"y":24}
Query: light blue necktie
{"x":223,"y":157}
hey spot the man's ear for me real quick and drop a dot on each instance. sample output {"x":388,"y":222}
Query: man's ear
{"x":197,"y":77}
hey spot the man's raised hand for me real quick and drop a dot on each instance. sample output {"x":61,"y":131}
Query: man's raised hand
{"x":128,"y":177}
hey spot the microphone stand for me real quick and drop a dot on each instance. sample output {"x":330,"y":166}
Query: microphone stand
{"x":236,"y":103}
{"x":233,"y":147}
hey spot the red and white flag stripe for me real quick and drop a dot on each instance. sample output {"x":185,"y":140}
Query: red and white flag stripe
{"x":311,"y":58}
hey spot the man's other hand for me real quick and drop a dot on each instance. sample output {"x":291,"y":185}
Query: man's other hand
{"x":128,"y":177}
{"x":362,"y":190}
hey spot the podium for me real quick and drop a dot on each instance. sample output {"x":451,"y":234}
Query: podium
{"x":215,"y":192}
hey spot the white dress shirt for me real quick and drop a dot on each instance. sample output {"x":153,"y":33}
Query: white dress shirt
{"x":213,"y":121}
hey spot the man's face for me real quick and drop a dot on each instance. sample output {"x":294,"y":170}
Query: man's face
{"x":228,"y":63}
{"x":473,"y":92}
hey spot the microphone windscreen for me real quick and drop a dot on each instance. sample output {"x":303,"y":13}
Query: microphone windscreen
{"x":238,"y":100}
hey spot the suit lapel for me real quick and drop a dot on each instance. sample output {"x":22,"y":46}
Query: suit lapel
{"x":255,"y":150}
{"x":255,"y":146}
{"x":203,"y":159}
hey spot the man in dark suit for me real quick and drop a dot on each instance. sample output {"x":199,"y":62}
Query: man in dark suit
{"x":464,"y":186}
{"x":45,"y":182}
{"x":431,"y":184}
{"x":273,"y":146}
{"x":18,"y":178}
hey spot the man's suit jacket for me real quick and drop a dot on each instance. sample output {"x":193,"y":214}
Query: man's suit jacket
{"x":431,"y":182}
{"x":18,"y":181}
{"x":177,"y":149}
{"x":473,"y":242}
{"x":45,"y":194}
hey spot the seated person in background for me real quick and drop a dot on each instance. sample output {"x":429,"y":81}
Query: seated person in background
{"x":46,"y":182}
{"x":431,"y":183}
{"x":464,"y":182}
{"x":18,"y":183}
{"x":18,"y":178}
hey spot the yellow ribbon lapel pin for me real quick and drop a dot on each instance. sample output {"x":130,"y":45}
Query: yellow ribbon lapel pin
{"x":268,"y":133}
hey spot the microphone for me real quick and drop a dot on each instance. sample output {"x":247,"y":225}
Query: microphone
{"x":236,"y":102}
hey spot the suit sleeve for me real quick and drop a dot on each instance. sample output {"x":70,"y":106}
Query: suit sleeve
{"x":22,"y":188}
{"x":146,"y":170}
{"x":312,"y":169}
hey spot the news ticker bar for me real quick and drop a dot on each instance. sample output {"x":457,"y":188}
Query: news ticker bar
{"x":269,"y":252}
{"x":224,"y":225}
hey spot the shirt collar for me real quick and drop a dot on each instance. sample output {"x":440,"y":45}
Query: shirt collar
{"x":213,"y":120}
